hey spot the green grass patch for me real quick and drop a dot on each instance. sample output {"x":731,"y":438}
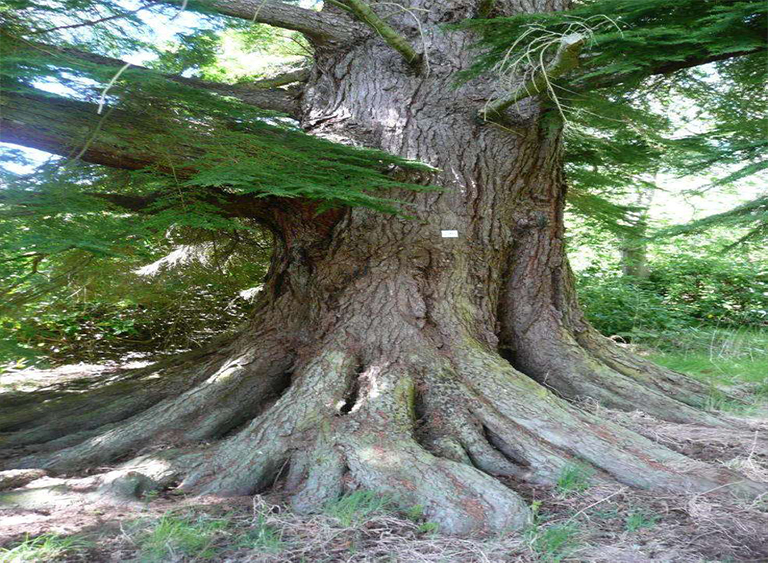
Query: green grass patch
{"x":172,"y":537}
{"x":359,"y":506}
{"x":46,"y":547}
{"x":574,"y":479}
{"x":554,"y":544}
{"x":262,"y":537}
{"x":720,"y":358}
{"x":725,"y":371}
{"x":639,"y":520}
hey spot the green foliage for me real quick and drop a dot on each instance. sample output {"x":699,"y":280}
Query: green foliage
{"x":629,"y":39}
{"x":683,"y":289}
{"x":358,"y":506}
{"x":46,"y":547}
{"x":753,"y":215}
{"x":180,"y":291}
{"x":173,"y":536}
{"x":714,"y":290}
{"x":574,"y":479}
{"x":555,"y":543}
{"x":638,"y":520}
{"x":618,"y":306}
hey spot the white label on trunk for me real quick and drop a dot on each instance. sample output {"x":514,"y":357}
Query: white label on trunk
{"x":450,"y":234}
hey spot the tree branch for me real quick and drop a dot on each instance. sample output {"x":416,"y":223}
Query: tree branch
{"x":260,"y":94}
{"x":67,"y":127}
{"x":92,"y":22}
{"x":366,"y":14}
{"x":599,"y":82}
{"x":291,"y":77}
{"x":60,"y":126}
{"x":318,"y":26}
{"x":228,"y":204}
{"x":57,"y":125}
{"x":566,"y":59}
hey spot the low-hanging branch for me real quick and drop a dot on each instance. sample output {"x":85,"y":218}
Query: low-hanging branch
{"x":285,"y":79}
{"x":399,"y":43}
{"x":319,"y":26}
{"x":262,"y":94}
{"x":565,"y":60}
{"x":664,"y":68}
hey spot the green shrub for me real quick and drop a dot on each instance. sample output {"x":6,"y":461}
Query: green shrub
{"x":681,"y":291}
{"x":618,"y":306}
{"x":714,"y":290}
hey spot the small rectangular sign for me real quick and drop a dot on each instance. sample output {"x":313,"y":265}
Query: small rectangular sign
{"x":450,"y":234}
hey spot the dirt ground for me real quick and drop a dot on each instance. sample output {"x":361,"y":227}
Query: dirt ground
{"x":600,"y":523}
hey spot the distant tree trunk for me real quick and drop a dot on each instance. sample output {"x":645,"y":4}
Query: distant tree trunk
{"x":386,"y":355}
{"x":634,"y":248}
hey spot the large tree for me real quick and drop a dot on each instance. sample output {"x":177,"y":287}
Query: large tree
{"x":381,"y":354}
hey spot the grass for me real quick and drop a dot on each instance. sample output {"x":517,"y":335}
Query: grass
{"x":639,"y":520}
{"x":719,"y":357}
{"x":262,"y":537}
{"x":358,"y":506}
{"x":554,"y":543}
{"x":574,"y":479}
{"x":172,"y":537}
{"x":46,"y":547}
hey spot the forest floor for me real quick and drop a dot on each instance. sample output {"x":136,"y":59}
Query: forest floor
{"x":53,"y":519}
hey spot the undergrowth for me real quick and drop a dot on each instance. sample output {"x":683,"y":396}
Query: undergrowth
{"x":46,"y":547}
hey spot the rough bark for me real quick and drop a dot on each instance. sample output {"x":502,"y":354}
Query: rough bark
{"x":375,"y":357}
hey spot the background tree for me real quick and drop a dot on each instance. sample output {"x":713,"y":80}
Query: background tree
{"x":380,"y":353}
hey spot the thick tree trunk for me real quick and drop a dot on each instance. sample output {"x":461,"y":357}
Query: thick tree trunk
{"x":374,"y":357}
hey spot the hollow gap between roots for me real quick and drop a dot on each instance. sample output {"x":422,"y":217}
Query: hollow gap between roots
{"x":353,"y":393}
{"x":508,"y":353}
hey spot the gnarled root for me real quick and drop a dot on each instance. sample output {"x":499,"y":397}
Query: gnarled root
{"x":315,"y":431}
{"x":237,"y":390}
{"x":436,"y":431}
{"x":628,"y":457}
{"x":250,"y":460}
{"x":435,"y":427}
{"x":555,"y":358}
{"x":73,"y":409}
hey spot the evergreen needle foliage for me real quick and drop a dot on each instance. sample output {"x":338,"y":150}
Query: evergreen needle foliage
{"x":619,"y":113}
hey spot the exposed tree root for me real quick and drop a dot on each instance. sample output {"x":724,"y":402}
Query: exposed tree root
{"x":382,"y":455}
{"x":559,"y":361}
{"x":75,"y":408}
{"x":237,"y":390}
{"x":250,"y":460}
{"x":434,"y":428}
{"x":627,"y":456}
{"x":672,"y":384}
